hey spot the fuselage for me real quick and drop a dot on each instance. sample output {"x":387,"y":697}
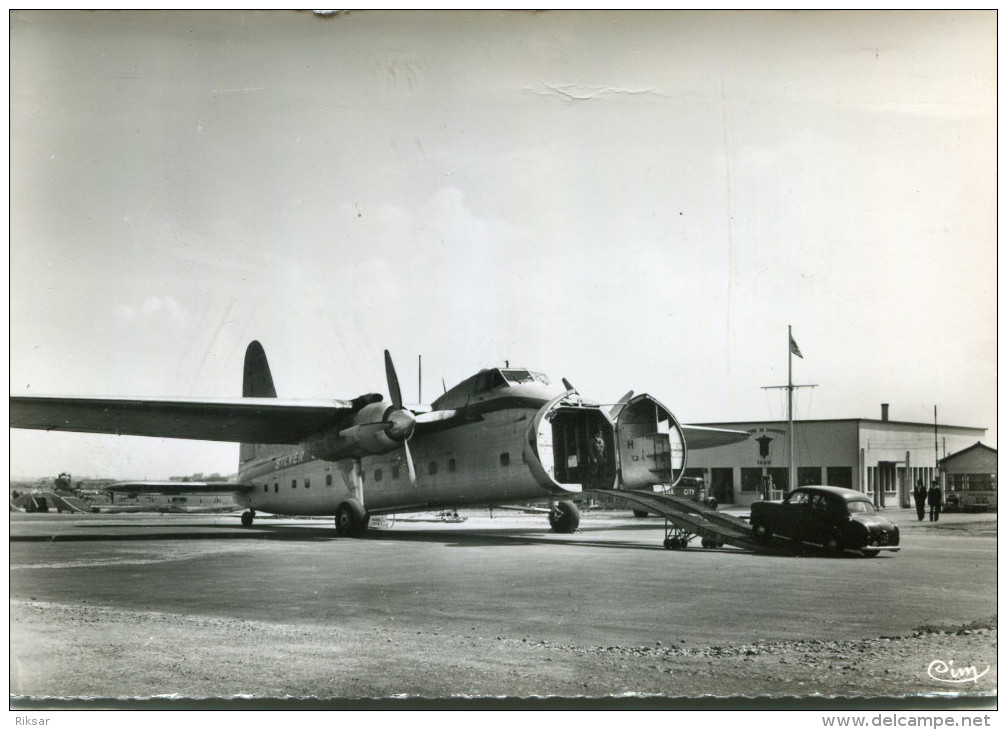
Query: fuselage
{"x":507,"y":435}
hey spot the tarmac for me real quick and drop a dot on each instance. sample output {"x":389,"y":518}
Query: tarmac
{"x":473,"y":586}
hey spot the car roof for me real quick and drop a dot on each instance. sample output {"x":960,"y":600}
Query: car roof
{"x":850,"y":495}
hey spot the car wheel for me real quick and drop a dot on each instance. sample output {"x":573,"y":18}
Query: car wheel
{"x":832,"y":545}
{"x":762,"y":532}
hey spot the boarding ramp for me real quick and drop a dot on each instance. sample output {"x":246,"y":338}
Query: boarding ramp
{"x":685,"y":519}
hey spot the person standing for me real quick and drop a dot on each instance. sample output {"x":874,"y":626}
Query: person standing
{"x":596,"y":457}
{"x":920,"y":497}
{"x":934,"y":499}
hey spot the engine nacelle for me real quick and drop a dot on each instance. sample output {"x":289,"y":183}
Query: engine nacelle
{"x":377,"y":429}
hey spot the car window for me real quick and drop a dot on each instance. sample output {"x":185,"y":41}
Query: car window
{"x":798,"y":498}
{"x":819,"y":503}
{"x":861,"y":507}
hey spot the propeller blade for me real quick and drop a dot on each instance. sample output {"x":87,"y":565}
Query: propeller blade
{"x":394,"y":392}
{"x":617,"y":408}
{"x":409,"y":464}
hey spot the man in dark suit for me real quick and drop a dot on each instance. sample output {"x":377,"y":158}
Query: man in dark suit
{"x":934,"y":499}
{"x":920,"y":497}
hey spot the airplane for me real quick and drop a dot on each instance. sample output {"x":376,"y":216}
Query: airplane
{"x":502,"y":436}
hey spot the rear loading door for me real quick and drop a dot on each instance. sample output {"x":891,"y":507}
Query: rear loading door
{"x":650,"y":444}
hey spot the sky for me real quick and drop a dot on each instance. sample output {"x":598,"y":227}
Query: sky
{"x":629,"y":200}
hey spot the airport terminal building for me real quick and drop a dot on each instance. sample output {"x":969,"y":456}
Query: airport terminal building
{"x":858,"y":453}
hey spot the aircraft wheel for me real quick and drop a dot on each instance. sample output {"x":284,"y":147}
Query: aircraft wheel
{"x":246,"y":519}
{"x":564,"y":518}
{"x":351,"y":519}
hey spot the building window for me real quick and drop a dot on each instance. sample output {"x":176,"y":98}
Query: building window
{"x":780,"y":476}
{"x":293,"y":484}
{"x":451,"y":465}
{"x":395,"y":472}
{"x":378,"y":475}
{"x":839,"y":476}
{"x":751,"y":479}
{"x":810,"y":475}
{"x":505,"y":459}
{"x":328,"y":480}
{"x":432,"y":468}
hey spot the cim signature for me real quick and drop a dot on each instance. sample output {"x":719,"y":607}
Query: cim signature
{"x":947,"y":672}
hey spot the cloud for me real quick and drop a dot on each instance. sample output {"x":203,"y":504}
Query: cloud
{"x":165,"y":308}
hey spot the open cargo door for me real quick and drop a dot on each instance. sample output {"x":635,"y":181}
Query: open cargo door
{"x":650,"y":443}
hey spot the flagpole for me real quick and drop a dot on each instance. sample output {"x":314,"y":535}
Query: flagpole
{"x":790,"y":405}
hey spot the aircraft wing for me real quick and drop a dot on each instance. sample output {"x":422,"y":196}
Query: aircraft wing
{"x":242,"y":420}
{"x":177,"y":488}
{"x":706,"y":437}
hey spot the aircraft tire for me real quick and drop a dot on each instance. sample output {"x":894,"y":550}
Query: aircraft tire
{"x":246,"y":518}
{"x":564,"y":518}
{"x":351,"y":519}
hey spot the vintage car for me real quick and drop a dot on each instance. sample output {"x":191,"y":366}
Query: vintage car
{"x":837,"y":519}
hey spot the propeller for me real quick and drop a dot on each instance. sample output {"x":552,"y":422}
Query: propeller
{"x":401,"y":421}
{"x":617,"y":408}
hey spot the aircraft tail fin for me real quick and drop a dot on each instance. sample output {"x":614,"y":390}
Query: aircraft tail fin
{"x":258,"y":382}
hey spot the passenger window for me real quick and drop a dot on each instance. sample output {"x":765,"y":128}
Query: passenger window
{"x":451,"y":465}
{"x":377,"y":475}
{"x":265,"y":487}
{"x":395,"y":472}
{"x":293,"y":484}
{"x":328,"y":480}
{"x":307,"y":482}
{"x":505,"y":459}
{"x":276,"y":487}
{"x":432,"y":468}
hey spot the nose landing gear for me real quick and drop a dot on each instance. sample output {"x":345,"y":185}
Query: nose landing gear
{"x":564,"y":517}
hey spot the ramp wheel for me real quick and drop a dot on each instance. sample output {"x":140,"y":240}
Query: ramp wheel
{"x":565,"y":517}
{"x":640,"y":513}
{"x":246,"y":518}
{"x":674,"y":543}
{"x":711,"y":543}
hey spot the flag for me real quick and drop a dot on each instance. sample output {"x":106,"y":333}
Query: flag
{"x":794,"y":348}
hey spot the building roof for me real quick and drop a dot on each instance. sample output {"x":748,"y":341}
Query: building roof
{"x":871,"y":421}
{"x":976,"y":445}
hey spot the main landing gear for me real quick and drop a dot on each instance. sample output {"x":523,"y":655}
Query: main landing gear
{"x":564,"y":517}
{"x":247,"y":516}
{"x":351,"y":519}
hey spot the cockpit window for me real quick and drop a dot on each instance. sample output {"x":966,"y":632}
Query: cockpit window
{"x":489,"y":380}
{"x":516,"y":377}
